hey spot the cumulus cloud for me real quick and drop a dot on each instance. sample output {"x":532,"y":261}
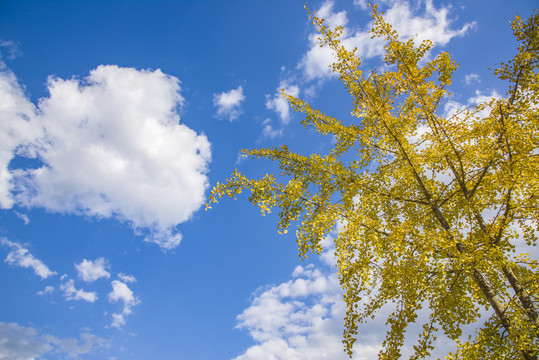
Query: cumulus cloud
{"x":278,"y":104}
{"x":123,"y":294}
{"x":20,"y":256}
{"x":71,"y":293}
{"x":299,"y":319}
{"x":431,"y":23}
{"x":302,"y":319}
{"x":111,"y":145}
{"x":19,"y":342}
{"x":228,"y":103}
{"x":90,"y":271}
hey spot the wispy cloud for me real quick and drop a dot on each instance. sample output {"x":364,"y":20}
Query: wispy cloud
{"x":12,"y":48}
{"x":25,"y":219}
{"x":20,"y":256}
{"x":47,"y":291}
{"x":127,"y":278}
{"x":19,"y":342}
{"x":472,"y":79}
{"x":228,"y":103}
{"x":268,"y":130}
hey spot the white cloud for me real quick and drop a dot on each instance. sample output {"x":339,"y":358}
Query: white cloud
{"x":12,"y":48}
{"x":19,"y":342}
{"x":228,"y":103}
{"x":47,"y":291}
{"x":453,"y":108}
{"x":268,"y":131}
{"x":278,"y":104}
{"x":433,"y":24}
{"x":127,"y":278}
{"x":472,"y":79}
{"x":299,"y":319}
{"x":25,"y":219}
{"x":17,"y":127}
{"x":92,"y":270}
{"x":363,"y":4}
{"x":19,"y":256}
{"x":122,"y":293}
{"x":73,"y":348}
{"x":111,"y":146}
{"x":71,"y":293}
{"x":302,"y":319}
{"x":118,"y":320}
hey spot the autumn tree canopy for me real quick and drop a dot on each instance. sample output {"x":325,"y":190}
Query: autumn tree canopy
{"x":436,"y":213}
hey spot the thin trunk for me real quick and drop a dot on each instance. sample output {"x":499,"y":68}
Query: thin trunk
{"x":521,"y":293}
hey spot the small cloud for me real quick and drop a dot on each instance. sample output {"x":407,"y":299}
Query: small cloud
{"x":13,"y":49}
{"x":166,"y":239}
{"x":19,"y":256}
{"x":127,"y":278}
{"x":25,"y":219}
{"x":363,"y":4}
{"x":240,"y":158}
{"x":118,"y":320}
{"x":71,"y":293}
{"x":90,"y":271}
{"x":279,"y":104}
{"x":121,"y":293}
{"x":471,"y":79}
{"x":47,"y":291}
{"x":268,"y":131}
{"x":228,"y":103}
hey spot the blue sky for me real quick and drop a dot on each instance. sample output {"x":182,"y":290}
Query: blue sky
{"x":117,"y":117}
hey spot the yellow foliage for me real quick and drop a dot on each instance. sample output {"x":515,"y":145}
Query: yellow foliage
{"x":415,"y":232}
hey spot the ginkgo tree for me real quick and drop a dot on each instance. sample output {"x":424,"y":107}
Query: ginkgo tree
{"x":436,"y":214}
